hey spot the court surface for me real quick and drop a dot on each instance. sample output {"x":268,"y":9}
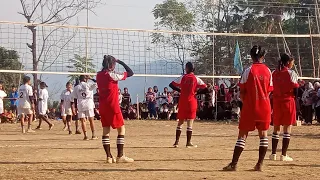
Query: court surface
{"x":56,"y":155}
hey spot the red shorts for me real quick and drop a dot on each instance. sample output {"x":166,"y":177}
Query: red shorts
{"x":183,"y":115}
{"x":284,"y":112}
{"x":111,"y":120}
{"x":252,"y":125}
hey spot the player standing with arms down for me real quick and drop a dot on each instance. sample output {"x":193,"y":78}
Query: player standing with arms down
{"x":83,"y":94}
{"x":26,"y":103}
{"x":43,"y":105}
{"x":187,"y":85}
{"x":65,"y":105}
{"x":109,"y":107}
{"x":285,"y":82}
{"x":255,"y":87}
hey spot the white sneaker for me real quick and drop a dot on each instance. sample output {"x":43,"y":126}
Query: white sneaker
{"x":124,"y":159}
{"x":285,"y":158}
{"x":191,"y":146}
{"x":110,"y":160}
{"x":30,"y":131}
{"x":273,"y":157}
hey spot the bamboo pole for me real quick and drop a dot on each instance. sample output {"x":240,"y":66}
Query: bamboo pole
{"x":312,"y":50}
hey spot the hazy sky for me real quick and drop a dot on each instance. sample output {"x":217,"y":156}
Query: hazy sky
{"x":114,"y":14}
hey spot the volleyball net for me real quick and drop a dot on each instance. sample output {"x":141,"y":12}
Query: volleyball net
{"x":73,"y":50}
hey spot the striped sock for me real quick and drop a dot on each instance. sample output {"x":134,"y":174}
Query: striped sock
{"x":275,"y":140}
{"x":285,"y":143}
{"x":178,"y":133}
{"x":120,"y":145}
{"x":263,"y":149}
{"x":237,"y":151}
{"x":106,"y":145}
{"x":189,"y":135}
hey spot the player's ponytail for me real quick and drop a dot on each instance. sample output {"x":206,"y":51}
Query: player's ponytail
{"x":108,"y":62}
{"x":257,"y":53}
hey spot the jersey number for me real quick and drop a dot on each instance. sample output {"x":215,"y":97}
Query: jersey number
{"x":21,"y":95}
{"x":84,"y":95}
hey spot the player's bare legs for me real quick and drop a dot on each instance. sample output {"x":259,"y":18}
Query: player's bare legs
{"x":30,"y":118}
{"x":242,"y":136}
{"x":22,"y":118}
{"x":263,"y":147}
{"x":106,"y":144}
{"x":275,"y":140}
{"x":44,"y":118}
{"x":77,"y":127}
{"x":178,"y":133}
{"x":68,"y":121}
{"x":189,"y":133}
{"x":84,"y":128}
{"x":91,"y":120}
{"x":121,"y":158}
{"x":64,"y":120}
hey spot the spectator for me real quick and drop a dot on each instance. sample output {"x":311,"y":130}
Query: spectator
{"x":163,"y":97}
{"x":144,"y":111}
{"x":96,"y":105}
{"x":120,"y":97}
{"x":14,"y":96}
{"x":307,"y":103}
{"x":2,"y":95}
{"x":164,"y":112}
{"x":169,"y":98}
{"x":151,"y":100}
{"x":126,"y":99}
{"x":158,"y":100}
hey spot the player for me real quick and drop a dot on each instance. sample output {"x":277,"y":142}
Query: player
{"x":255,"y":87}
{"x":109,"y":107}
{"x":43,"y":105}
{"x":2,"y":95}
{"x":187,"y":85}
{"x":26,"y":104}
{"x":285,"y":82}
{"x":65,"y":106}
{"x":83,"y":93}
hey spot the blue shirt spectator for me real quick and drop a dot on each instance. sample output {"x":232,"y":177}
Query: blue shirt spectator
{"x":14,"y":96}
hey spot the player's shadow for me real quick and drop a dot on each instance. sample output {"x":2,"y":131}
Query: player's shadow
{"x":279,"y":150}
{"x":296,"y":165}
{"x":127,"y":170}
{"x":49,"y":162}
{"x":309,"y":136}
{"x":182,"y":159}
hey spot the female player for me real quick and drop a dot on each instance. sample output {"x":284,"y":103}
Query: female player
{"x":109,"y":107}
{"x":188,"y":85}
{"x":65,"y":106}
{"x":285,"y":82}
{"x":255,"y":87}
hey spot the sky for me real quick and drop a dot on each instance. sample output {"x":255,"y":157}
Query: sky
{"x":113,"y":14}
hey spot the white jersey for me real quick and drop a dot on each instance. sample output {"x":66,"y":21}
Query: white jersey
{"x":43,"y":101}
{"x":2,"y":95}
{"x":25,"y":91}
{"x":84,"y":95}
{"x":66,"y":98}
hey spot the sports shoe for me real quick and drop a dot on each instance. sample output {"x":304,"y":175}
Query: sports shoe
{"x":230,"y":167}
{"x":70,"y":132}
{"x":86,"y":138}
{"x":94,"y":138}
{"x":51,"y":126}
{"x":110,"y":160}
{"x":285,"y":158}
{"x":78,"y":132}
{"x":273,"y":157}
{"x":191,"y":146}
{"x":30,"y":131}
{"x":38,"y":128}
{"x":124,"y":159}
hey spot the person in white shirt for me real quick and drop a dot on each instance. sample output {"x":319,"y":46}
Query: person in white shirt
{"x":83,"y":94}
{"x":26,"y":103}
{"x":2,"y":95}
{"x":65,"y":107}
{"x":43,"y":105}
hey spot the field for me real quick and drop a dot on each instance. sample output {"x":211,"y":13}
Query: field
{"x":56,"y":155}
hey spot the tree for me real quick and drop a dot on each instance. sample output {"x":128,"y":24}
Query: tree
{"x":174,"y":16}
{"x":50,"y":12}
{"x":80,"y":65}
{"x":9,"y":60}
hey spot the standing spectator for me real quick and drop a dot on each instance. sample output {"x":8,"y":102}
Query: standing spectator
{"x":2,"y":95}
{"x":151,"y":100}
{"x":96,"y":105}
{"x":169,"y":98}
{"x":307,"y":103}
{"x":158,"y":100}
{"x":176,"y":96}
{"x":126,"y":99}
{"x":163,"y":97}
{"x":14,"y":95}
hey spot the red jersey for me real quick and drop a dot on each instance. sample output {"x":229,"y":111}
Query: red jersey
{"x":255,"y":85}
{"x":108,"y":90}
{"x":189,"y":84}
{"x":284,"y":81}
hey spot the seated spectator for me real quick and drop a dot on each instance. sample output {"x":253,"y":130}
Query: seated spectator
{"x":164,"y":111}
{"x":174,"y":112}
{"x":235,"y":111}
{"x":132,"y":112}
{"x":201,"y":111}
{"x":144,"y":111}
